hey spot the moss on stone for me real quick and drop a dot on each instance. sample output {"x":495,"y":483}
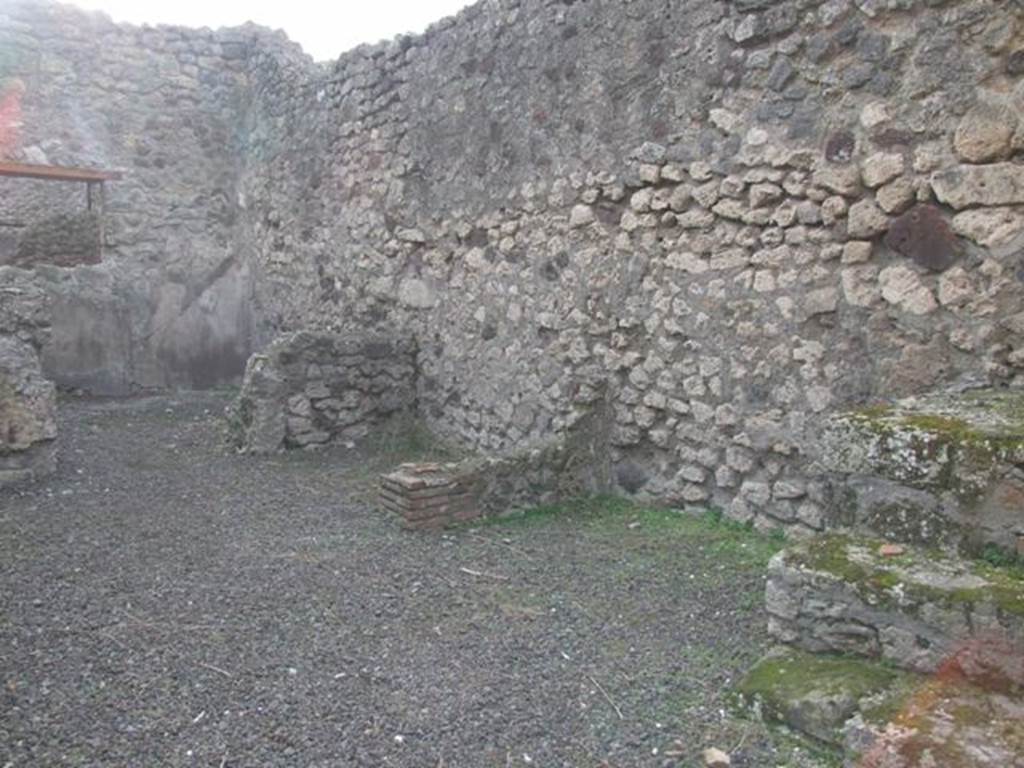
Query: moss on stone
{"x":945,"y":724}
{"x":877,"y":578}
{"x":886,"y":706}
{"x":989,"y":420}
{"x":914,"y":522}
{"x":793,"y":674}
{"x":816,"y":694}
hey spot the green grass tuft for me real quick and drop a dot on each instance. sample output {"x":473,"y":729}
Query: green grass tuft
{"x":738,"y":544}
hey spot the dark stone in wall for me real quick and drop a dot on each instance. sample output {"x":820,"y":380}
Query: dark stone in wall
{"x":1015,"y":63}
{"x":840,"y":146}
{"x":923,"y":235}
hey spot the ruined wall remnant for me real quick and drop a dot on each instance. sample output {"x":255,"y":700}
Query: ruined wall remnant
{"x":28,"y":401}
{"x":914,"y":609}
{"x":724,"y":220}
{"x":729,"y":218}
{"x":573,"y":465}
{"x":310,"y":389}
{"x":170,"y":304}
{"x":946,"y":470}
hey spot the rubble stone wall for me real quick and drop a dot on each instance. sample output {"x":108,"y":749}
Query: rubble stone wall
{"x":724,"y":219}
{"x":914,"y":609}
{"x":63,"y":240}
{"x":169,"y":304}
{"x":310,"y":389}
{"x":28,"y":401}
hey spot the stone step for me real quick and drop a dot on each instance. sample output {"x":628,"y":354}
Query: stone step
{"x":915,"y":608}
{"x":944,"y":469}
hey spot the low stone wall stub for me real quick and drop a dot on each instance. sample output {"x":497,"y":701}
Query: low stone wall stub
{"x":432,"y":496}
{"x":944,"y":469}
{"x":308,"y":389}
{"x":28,"y":415}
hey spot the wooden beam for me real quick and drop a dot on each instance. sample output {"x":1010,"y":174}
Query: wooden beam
{"x":56,"y":173}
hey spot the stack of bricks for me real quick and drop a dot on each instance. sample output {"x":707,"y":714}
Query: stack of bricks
{"x":428,"y":496}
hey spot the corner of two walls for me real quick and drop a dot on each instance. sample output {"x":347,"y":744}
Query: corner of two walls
{"x":170,"y":304}
{"x":724,"y":220}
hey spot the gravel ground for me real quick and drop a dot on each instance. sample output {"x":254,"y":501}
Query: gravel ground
{"x":164,"y":602}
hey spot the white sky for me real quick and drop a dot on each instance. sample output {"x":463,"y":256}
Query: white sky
{"x":324,"y":28}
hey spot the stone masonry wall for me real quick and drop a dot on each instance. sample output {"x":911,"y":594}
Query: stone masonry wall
{"x":915,"y":610}
{"x":721,"y":219}
{"x":28,"y":401}
{"x":726,"y":219}
{"x":311,"y":389}
{"x":169,"y":305}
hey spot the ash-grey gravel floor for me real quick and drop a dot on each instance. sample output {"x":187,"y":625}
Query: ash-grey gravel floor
{"x":164,"y":602}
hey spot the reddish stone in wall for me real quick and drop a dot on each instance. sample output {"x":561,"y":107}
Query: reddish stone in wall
{"x":922,"y":234}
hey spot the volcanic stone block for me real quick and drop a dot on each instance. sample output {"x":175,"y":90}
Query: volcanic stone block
{"x":965,"y":186}
{"x":922,"y":234}
{"x":942,"y":470}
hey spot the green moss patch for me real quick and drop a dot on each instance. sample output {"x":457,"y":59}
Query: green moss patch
{"x":792,"y":674}
{"x":816,"y":694}
{"x":985,"y":420}
{"x":972,"y":417}
{"x":632,"y":524}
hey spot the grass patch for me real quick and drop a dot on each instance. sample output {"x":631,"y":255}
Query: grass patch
{"x":737,"y":544}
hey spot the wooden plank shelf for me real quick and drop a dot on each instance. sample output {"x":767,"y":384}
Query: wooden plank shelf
{"x":56,"y":173}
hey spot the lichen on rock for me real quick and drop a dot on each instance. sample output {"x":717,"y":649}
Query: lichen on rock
{"x":961,"y":451}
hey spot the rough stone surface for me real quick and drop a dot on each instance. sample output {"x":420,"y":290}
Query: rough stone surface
{"x":924,"y":235}
{"x":814,"y":694}
{"x":984,"y":185}
{"x":170,"y":305}
{"x":970,"y":715}
{"x":310,"y":389}
{"x":903,"y":287}
{"x":985,"y":133}
{"x":941,"y":469}
{"x":881,"y":168}
{"x":866,"y":220}
{"x":25,"y":308}
{"x":991,"y":227}
{"x":586,"y":231}
{"x":962,"y":723}
{"x":28,"y":415}
{"x":28,"y":401}
{"x":917,"y":611}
